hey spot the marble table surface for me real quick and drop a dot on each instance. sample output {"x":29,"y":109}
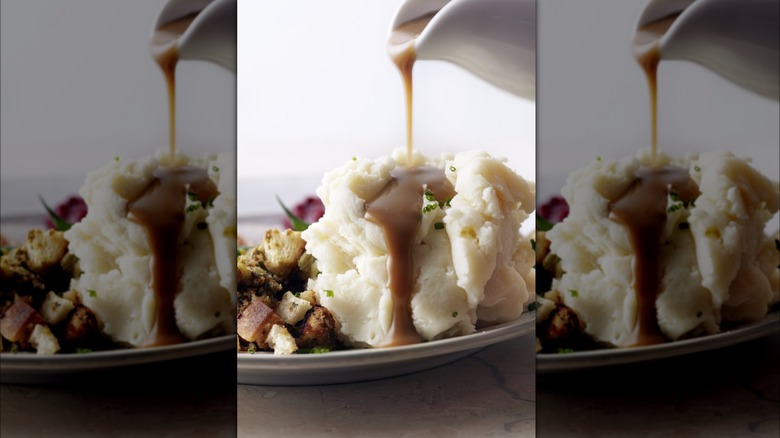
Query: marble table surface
{"x":193,"y":397}
{"x":490,"y":393}
{"x":731,"y":392}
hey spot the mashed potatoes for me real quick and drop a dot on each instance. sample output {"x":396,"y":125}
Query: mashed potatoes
{"x":116,"y":260}
{"x":717,"y":263}
{"x":470,"y":260}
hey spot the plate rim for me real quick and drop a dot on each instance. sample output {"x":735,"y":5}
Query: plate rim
{"x":572,"y":362}
{"x":249,"y":362}
{"x":25,"y":363}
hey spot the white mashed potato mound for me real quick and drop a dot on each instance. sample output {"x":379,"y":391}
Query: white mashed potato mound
{"x":719,"y":267}
{"x":478,"y":267}
{"x":116,"y":259}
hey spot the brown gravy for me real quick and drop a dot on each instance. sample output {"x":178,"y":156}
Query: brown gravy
{"x":160,"y":207}
{"x":165,"y":50}
{"x":400,"y":46}
{"x":642,"y":210}
{"x":398,"y":210}
{"x":398,"y":207}
{"x":647,"y":51}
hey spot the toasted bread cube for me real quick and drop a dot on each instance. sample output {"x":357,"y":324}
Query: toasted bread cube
{"x":282,"y":251}
{"x":309,"y":296}
{"x":292,"y":309}
{"x":55,"y":309}
{"x":45,"y":249}
{"x":255,"y":321}
{"x":43,"y":340}
{"x":83,"y":326}
{"x":281,"y":340}
{"x":319,"y":329}
{"x":18,"y":322}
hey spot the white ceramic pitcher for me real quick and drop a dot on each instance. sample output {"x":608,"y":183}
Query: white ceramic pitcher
{"x":737,"y":39}
{"x":212,"y":34}
{"x":494,"y":39}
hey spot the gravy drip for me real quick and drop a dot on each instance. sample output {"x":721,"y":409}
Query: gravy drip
{"x":160,"y":209}
{"x":398,"y":210}
{"x":400,"y":46}
{"x":647,"y":51}
{"x":165,"y":50}
{"x":642,"y":210}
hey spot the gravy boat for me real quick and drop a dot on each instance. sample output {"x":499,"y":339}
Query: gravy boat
{"x":737,"y":39}
{"x":212,"y":34}
{"x":493,"y":39}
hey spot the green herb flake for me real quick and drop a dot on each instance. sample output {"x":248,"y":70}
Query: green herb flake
{"x":328,"y":293}
{"x":116,"y":158}
{"x":674,"y":207}
{"x":81,"y":350}
{"x":251,"y":349}
{"x":699,"y":314}
{"x":674,"y":196}
{"x":215,"y":168}
{"x":532,"y":307}
{"x":297,"y":223}
{"x":354,"y":158}
{"x":429,"y":196}
{"x":60,"y":224}
{"x":454,"y":314}
{"x":314,"y":350}
{"x":598,"y":158}
{"x":574,"y":293}
{"x":543,"y":224}
{"x":453,"y":169}
{"x":447,"y":202}
{"x":429,"y":208}
{"x":697,"y":168}
{"x":439,"y":225}
{"x":192,"y":207}
{"x":14,"y":348}
{"x":92,"y":293}
{"x":565,"y":350}
{"x":683,"y":225}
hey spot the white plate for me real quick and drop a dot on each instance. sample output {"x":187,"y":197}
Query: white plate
{"x":551,"y":363}
{"x":358,"y":365}
{"x":31,"y":368}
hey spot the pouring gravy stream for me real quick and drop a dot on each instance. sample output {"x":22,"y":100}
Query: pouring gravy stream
{"x":398,"y":207}
{"x":160,"y":207}
{"x":642,"y":207}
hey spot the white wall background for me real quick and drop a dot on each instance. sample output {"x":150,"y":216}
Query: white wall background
{"x":316,"y":87}
{"x":79,"y":87}
{"x":593,"y":99}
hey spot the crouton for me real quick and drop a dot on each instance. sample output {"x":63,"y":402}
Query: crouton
{"x":45,"y":249}
{"x":44,"y":342}
{"x":55,"y":309}
{"x":281,"y":340}
{"x":292,"y":309}
{"x":283,"y":249}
